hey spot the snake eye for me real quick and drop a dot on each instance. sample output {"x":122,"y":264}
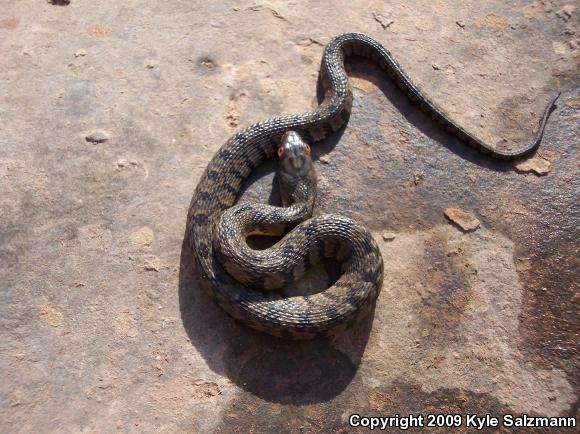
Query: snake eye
{"x":280,"y":152}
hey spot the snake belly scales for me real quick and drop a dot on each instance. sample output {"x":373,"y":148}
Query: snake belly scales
{"x":354,"y":293}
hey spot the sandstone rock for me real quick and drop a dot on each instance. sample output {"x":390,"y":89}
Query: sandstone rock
{"x":537,"y":165}
{"x":463,"y":219}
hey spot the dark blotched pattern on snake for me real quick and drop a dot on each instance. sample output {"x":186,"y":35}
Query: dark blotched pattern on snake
{"x":253,"y":299}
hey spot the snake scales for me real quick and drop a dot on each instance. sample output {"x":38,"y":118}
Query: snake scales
{"x":214,"y":222}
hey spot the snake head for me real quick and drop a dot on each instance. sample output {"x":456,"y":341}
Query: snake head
{"x":294,"y":153}
{"x":297,"y":175}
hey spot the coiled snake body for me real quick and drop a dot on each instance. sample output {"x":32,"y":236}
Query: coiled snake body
{"x":216,"y":230}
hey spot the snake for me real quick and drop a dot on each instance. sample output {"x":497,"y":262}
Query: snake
{"x":246,"y":282}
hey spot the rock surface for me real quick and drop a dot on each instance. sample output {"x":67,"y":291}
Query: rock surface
{"x":104,"y":327}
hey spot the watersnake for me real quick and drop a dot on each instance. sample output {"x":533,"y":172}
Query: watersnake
{"x":217,"y":230}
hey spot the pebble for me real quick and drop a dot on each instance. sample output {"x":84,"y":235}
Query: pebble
{"x":97,"y":137}
{"x":463,"y":219}
{"x":150,"y":64}
{"x":80,"y":53}
{"x":384,"y":21}
{"x":126,"y":163}
{"x":537,"y":165}
{"x":388,"y":236}
{"x":418,"y":176}
{"x":324,"y":159}
{"x":208,"y":63}
{"x":152,"y":264}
